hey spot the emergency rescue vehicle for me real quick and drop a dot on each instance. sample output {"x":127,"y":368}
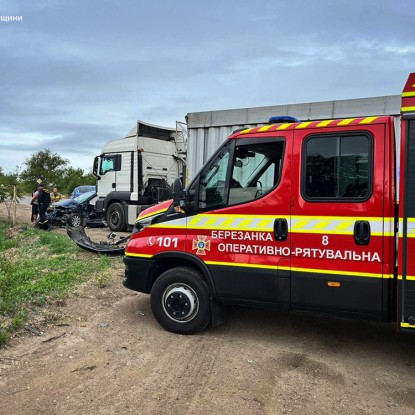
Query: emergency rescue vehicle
{"x":295,"y":215}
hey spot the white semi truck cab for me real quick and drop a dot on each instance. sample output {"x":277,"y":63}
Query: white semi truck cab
{"x":137,"y":171}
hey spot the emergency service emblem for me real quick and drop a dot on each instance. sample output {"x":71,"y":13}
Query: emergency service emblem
{"x":201,"y":244}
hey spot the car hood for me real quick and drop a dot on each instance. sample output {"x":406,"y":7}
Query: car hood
{"x":66,"y":204}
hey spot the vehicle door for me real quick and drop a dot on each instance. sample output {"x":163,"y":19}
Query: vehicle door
{"x":241,"y":218}
{"x":337,"y":217}
{"x":109,"y":165}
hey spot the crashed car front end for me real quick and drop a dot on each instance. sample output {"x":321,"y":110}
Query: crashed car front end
{"x":73,"y":212}
{"x":62,"y":217}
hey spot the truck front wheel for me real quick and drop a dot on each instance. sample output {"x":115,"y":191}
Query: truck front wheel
{"x":180,"y":301}
{"x":116,"y":217}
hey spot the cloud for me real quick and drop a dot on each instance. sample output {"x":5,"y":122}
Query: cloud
{"x":76,"y":74}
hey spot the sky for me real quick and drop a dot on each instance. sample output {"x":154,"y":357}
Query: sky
{"x":77,"y":73}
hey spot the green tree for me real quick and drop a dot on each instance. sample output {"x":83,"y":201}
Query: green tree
{"x":53,"y":170}
{"x":7,"y":181}
{"x":75,"y":177}
{"x":46,"y":166}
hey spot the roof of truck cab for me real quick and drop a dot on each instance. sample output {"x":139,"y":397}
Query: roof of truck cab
{"x":145,"y":129}
{"x":321,"y":124}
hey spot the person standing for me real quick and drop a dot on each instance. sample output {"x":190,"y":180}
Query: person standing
{"x":35,"y":205}
{"x":56,"y":196}
{"x":44,"y":202}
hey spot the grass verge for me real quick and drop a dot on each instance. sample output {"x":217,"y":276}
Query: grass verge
{"x":36,"y":268}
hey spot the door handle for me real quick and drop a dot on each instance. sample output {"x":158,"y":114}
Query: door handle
{"x":280,"y":229}
{"x":362,"y":232}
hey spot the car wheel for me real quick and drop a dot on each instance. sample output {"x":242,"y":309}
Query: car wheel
{"x":115,"y":217}
{"x":180,"y":301}
{"x":75,"y":220}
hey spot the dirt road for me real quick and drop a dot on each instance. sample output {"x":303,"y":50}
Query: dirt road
{"x":104,"y":353}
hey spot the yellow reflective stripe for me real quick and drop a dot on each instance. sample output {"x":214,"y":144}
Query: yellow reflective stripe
{"x":335,"y":225}
{"x":410,"y":229}
{"x":300,"y":224}
{"x":245,"y":222}
{"x":407,"y":325}
{"x":304,"y":124}
{"x":409,"y":235}
{"x":407,"y":109}
{"x":152,"y":214}
{"x":233,"y":264}
{"x":408,"y":277}
{"x":348,"y":273}
{"x":322,"y":225}
{"x":138,"y":255}
{"x":368,"y":218}
{"x":195,"y":220}
{"x":346,"y":121}
{"x":324,"y":123}
{"x":265,"y":128}
{"x":368,"y":120}
{"x":264,"y":223}
{"x":343,"y":226}
{"x":283,"y":126}
{"x":331,"y":232}
{"x":227,"y":222}
{"x":210,"y":221}
{"x":408,"y":94}
{"x":217,"y":216}
{"x":246,"y":131}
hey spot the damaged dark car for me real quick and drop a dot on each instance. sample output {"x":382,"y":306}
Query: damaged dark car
{"x":75,"y":212}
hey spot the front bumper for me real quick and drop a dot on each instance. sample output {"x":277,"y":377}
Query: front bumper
{"x":138,"y":273}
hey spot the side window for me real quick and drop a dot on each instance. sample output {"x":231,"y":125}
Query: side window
{"x":256,"y":169}
{"x":337,"y":167}
{"x":212,"y":183}
{"x":110,"y":163}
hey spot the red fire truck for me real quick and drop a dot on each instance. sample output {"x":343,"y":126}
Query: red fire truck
{"x":294,"y":215}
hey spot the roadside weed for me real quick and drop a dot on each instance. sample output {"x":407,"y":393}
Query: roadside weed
{"x":37,"y":268}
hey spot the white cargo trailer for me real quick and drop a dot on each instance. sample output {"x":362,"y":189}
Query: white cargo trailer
{"x":207,"y":130}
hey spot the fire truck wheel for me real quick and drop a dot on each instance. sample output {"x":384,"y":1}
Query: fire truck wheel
{"x":115,"y":217}
{"x":180,"y":301}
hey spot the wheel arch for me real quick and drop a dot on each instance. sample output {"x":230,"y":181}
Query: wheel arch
{"x":168,"y":260}
{"x":116,"y":197}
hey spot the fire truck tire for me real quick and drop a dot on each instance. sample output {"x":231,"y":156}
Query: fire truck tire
{"x":75,"y":220}
{"x":115,"y":217}
{"x":180,"y":301}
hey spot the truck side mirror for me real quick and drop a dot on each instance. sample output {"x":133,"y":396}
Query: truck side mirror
{"x":177,"y":194}
{"x":95,"y":166}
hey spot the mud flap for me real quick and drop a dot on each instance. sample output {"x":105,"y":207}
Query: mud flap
{"x":219,"y":313}
{"x":79,"y":236}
